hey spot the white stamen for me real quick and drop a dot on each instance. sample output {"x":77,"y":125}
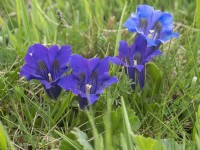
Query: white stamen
{"x":88,"y":87}
{"x":135,"y":62}
{"x":150,"y":34}
{"x":151,"y":31}
{"x":50,"y":78}
{"x":31,"y":54}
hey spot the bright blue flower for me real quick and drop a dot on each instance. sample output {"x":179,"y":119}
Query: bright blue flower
{"x":157,"y":26}
{"x":47,"y":65}
{"x":88,"y":79}
{"x":134,"y":58}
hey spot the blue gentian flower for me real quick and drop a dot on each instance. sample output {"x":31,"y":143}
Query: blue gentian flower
{"x":88,"y":80}
{"x":134,"y":58}
{"x":157,"y":26}
{"x":47,"y":65}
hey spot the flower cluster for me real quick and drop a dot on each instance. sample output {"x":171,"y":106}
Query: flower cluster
{"x":155,"y":25}
{"x":153,"y":28}
{"x":89,"y":77}
{"x":49,"y":65}
{"x":134,"y":58}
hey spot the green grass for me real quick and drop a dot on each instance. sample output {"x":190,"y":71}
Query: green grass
{"x":164,"y":115}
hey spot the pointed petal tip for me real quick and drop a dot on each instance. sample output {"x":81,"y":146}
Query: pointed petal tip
{"x":85,"y":99}
{"x":115,"y":60}
{"x":139,"y":67}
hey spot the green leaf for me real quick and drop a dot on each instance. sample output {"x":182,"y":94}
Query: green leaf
{"x":118,"y":125}
{"x":170,"y":144}
{"x":2,"y":23}
{"x":65,"y":145}
{"x":143,"y":143}
{"x":197,"y":17}
{"x":68,"y":142}
{"x":127,"y":125}
{"x":82,"y":139}
{"x":196,"y":129}
{"x":3,"y":144}
{"x":155,"y":74}
{"x":119,"y":30}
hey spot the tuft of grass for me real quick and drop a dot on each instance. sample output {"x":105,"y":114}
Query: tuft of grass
{"x":164,"y":115}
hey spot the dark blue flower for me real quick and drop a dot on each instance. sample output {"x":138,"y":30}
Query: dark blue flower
{"x":157,"y":26}
{"x":88,"y":79}
{"x":47,"y":65}
{"x":134,"y":58}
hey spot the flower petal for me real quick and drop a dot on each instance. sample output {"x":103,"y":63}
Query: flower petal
{"x":144,"y":13}
{"x":168,"y":36}
{"x":53,"y":51}
{"x":140,"y":20}
{"x":151,"y":42}
{"x":115,"y":60}
{"x":70,"y":82}
{"x":59,"y":59}
{"x":154,"y":19}
{"x":123,"y":50}
{"x":153,"y":54}
{"x":29,"y":73}
{"x":125,"y":54}
{"x":92,"y":98}
{"x":46,"y":84}
{"x":79,"y":65}
{"x":106,"y":82}
{"x":138,"y":48}
{"x":93,"y":63}
{"x":132,"y":23}
{"x":30,"y":60}
{"x":139,"y":67}
{"x":166,"y":21}
{"x":100,"y":69}
{"x":63,"y":55}
{"x":39,"y":53}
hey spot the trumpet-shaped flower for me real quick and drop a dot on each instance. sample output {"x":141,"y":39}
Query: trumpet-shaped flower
{"x":157,"y":26}
{"x":47,"y":65}
{"x":88,"y":80}
{"x":134,"y":58}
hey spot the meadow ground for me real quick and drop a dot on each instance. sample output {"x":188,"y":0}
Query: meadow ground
{"x":163,"y":115}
